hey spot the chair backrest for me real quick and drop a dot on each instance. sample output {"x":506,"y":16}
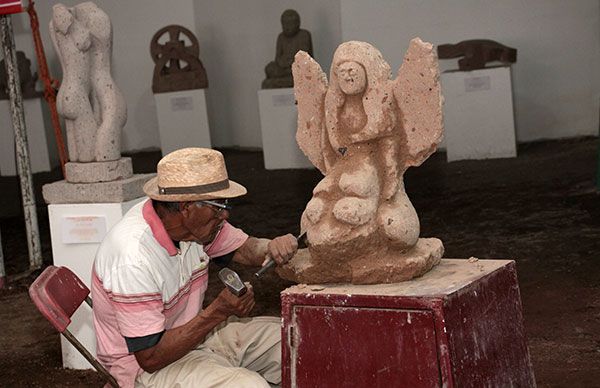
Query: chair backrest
{"x":57,"y":293}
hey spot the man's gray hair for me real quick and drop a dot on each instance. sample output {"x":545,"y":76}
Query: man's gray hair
{"x":171,"y":207}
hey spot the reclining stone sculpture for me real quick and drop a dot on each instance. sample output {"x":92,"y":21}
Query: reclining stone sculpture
{"x":476,"y":53}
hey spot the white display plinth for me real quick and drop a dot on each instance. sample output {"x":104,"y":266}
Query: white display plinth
{"x":76,"y":231}
{"x":182,"y":120}
{"x":478,"y":114}
{"x":278,"y":123}
{"x":40,"y":156}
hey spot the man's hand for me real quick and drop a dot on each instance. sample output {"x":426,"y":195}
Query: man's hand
{"x":229,"y":304}
{"x":177,"y":342}
{"x":258,"y":251}
{"x":281,"y":249}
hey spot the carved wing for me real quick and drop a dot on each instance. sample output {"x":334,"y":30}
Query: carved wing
{"x":310,"y":86}
{"x":418,"y":94}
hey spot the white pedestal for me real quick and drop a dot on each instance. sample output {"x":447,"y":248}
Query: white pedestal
{"x":278,"y":123}
{"x":76,"y":231}
{"x":182,"y":120}
{"x":478,"y":114}
{"x":42,"y":158}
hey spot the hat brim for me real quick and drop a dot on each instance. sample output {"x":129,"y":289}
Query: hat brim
{"x":234,"y":190}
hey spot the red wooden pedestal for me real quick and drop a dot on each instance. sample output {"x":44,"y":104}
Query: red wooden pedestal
{"x":460,"y":325}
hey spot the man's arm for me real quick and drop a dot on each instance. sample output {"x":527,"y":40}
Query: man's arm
{"x":176,"y":343}
{"x":255,"y":251}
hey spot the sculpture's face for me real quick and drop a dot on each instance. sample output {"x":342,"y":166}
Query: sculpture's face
{"x":290,"y":24}
{"x":351,"y":77}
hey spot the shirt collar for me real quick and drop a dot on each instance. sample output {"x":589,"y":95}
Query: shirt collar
{"x":158,"y":230}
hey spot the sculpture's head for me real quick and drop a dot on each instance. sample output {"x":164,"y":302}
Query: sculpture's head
{"x":359,"y":69}
{"x":351,"y":77}
{"x":290,"y":22}
{"x":358,"y":66}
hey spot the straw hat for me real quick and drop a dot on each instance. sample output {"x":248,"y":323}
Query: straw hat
{"x":192,"y":174}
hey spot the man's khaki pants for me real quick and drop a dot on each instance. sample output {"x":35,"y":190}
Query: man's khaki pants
{"x":238,"y":353}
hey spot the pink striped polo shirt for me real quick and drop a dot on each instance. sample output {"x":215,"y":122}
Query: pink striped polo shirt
{"x":142,"y":284}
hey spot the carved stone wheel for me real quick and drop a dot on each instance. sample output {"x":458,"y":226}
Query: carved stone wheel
{"x":177,"y":66}
{"x":175,"y":48}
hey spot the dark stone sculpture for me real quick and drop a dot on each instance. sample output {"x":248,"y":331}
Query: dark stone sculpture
{"x":291,"y":40}
{"x":28,"y":79}
{"x":170,"y":74}
{"x":477,"y":53}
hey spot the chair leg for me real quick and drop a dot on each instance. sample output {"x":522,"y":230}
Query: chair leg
{"x":88,"y":356}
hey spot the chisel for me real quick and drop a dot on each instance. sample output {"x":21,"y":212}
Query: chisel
{"x":302,"y":243}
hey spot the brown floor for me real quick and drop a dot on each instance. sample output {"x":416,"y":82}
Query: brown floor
{"x":540,"y":209}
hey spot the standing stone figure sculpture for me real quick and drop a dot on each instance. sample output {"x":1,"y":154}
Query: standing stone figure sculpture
{"x":89,"y":100}
{"x":291,"y":40}
{"x":177,"y":66}
{"x":363,"y":130}
{"x":94,"y":111}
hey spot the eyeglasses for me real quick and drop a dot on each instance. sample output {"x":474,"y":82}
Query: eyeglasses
{"x":217,"y":204}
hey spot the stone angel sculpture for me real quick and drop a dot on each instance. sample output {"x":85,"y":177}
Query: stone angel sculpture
{"x":363,"y":130}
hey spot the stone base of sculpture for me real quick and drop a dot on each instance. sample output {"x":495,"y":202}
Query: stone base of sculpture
{"x":94,"y":172}
{"x":97,"y":182}
{"x":372,"y":268}
{"x":121,"y":190}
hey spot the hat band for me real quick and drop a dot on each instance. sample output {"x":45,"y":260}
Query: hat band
{"x":199,"y":189}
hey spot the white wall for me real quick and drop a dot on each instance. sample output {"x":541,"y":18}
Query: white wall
{"x":556,"y":79}
{"x":134,"y":23}
{"x":237,"y":40}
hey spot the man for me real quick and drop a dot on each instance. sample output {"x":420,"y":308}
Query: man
{"x":150,"y":275}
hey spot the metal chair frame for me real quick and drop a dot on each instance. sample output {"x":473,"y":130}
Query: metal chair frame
{"x":58,"y":293}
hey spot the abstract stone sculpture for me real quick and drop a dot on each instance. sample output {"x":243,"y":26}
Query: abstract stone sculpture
{"x":27,"y":79}
{"x":170,"y":74}
{"x":363,"y":130}
{"x":94,"y":111}
{"x":89,"y":100}
{"x":477,"y":53}
{"x":291,"y":40}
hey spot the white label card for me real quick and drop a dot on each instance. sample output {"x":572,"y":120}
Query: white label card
{"x":284,"y":100}
{"x":476,"y":84}
{"x":182,"y":103}
{"x":83,"y":229}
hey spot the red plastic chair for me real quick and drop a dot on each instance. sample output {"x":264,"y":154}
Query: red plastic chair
{"x":57,"y":293}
